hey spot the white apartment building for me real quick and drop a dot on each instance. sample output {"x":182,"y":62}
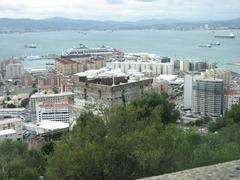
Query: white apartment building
{"x":188,"y":87}
{"x":52,"y":111}
{"x":231,"y":97}
{"x":150,"y":68}
{"x":11,"y":129}
{"x":53,"y":98}
{"x":184,"y":65}
{"x":14,"y":71}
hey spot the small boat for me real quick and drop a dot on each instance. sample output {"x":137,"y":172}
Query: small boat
{"x":216,"y":44}
{"x":32,"y":58}
{"x":205,"y":45}
{"x":30,"y":45}
{"x":50,"y":64}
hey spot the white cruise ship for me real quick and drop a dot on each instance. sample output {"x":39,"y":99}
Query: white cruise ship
{"x":84,"y":51}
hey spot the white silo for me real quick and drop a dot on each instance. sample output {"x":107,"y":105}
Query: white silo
{"x":148,"y":66}
{"x":154,"y":68}
{"x":132,"y":65}
{"x":138,"y":66}
{"x":122,"y":67}
{"x":159,"y":68}
{"x":165,"y":68}
{"x":143,"y":67}
{"x":171,"y":68}
{"x":114,"y":65}
{"x":126,"y":66}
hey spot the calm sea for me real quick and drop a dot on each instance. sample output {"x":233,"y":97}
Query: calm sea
{"x":175,"y":44}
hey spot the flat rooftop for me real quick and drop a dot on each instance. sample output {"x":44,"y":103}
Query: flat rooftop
{"x":36,"y":95}
{"x":210,"y":80}
{"x":48,"y":125}
{"x":7,"y":132}
{"x":12,"y":109}
{"x":10,"y":120}
{"x":108,"y":81}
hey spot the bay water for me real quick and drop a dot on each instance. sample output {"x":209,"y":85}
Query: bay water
{"x":174,"y":44}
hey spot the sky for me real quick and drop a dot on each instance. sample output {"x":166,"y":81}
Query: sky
{"x":122,"y":10}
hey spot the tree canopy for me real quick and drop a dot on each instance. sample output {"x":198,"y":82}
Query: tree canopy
{"x":136,"y":140}
{"x":17,"y":162}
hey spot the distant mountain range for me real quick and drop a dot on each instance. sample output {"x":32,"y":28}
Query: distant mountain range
{"x":55,"y":24}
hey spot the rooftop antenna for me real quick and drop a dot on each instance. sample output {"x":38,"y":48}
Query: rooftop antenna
{"x":206,"y":64}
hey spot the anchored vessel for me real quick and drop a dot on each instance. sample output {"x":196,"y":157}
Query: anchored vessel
{"x":30,"y":45}
{"x":205,"y":45}
{"x":216,"y":44}
{"x":84,"y":51}
{"x":232,"y":36}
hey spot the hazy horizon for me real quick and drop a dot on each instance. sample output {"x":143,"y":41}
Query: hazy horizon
{"x":136,"y":20}
{"x":122,"y":10}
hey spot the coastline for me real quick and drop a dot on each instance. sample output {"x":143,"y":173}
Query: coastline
{"x":112,"y":30}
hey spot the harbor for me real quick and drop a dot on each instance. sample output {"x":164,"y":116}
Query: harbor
{"x":174,"y":44}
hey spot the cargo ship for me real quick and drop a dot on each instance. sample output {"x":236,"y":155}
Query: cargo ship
{"x":231,"y":36}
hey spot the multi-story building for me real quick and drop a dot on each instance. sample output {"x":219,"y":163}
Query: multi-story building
{"x":165,"y":59}
{"x":46,"y":82}
{"x":54,"y":98}
{"x":188,"y":86}
{"x":184,"y":66}
{"x":44,"y":128}
{"x":3,"y":64}
{"x":70,"y":67}
{"x":11,"y":129}
{"x":197,"y":66}
{"x":14,"y":71}
{"x":208,"y":97}
{"x":219,"y":73}
{"x":149,"y":68}
{"x":12,"y":112}
{"x":52,"y":111}
{"x":231,"y":97}
{"x":26,"y":80}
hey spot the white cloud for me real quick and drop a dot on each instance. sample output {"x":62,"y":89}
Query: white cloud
{"x":120,"y":9}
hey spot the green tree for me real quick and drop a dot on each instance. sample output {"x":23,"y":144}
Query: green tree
{"x":124,"y":143}
{"x":34,"y":85}
{"x":230,"y":117}
{"x":11,"y":106}
{"x":17,"y":162}
{"x":148,"y":102}
{"x":48,"y":148}
{"x":24,"y":102}
{"x":137,"y":140}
